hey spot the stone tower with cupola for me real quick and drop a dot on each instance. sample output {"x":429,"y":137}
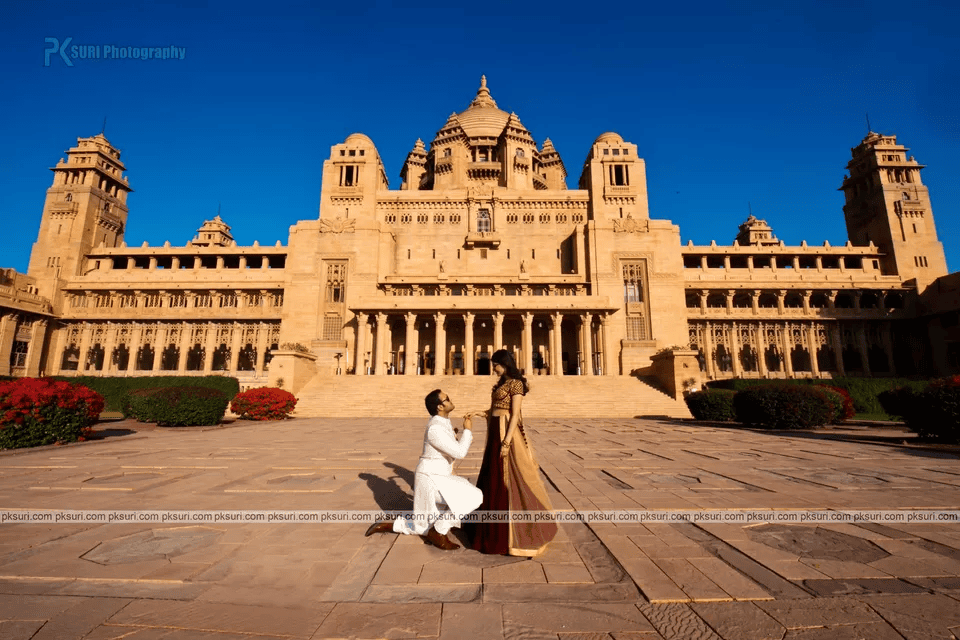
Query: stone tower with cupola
{"x":888,"y":204}
{"x":86,"y":207}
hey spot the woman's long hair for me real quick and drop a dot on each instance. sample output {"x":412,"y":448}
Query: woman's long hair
{"x":505,"y":360}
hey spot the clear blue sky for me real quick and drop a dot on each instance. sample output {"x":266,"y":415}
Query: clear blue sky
{"x":729,"y":104}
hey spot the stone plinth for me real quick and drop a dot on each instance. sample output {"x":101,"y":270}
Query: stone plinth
{"x":675,"y":367}
{"x":294,"y":368}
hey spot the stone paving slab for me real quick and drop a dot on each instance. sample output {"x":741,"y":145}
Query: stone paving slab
{"x":602,"y":580}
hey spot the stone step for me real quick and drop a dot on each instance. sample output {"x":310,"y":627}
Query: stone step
{"x":553,"y":397}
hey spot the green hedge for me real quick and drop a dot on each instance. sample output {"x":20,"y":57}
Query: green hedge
{"x":863,"y":391}
{"x":178,"y":406}
{"x":712,"y":404}
{"x":784,"y":406}
{"x":932,"y":412}
{"x":116,"y":389}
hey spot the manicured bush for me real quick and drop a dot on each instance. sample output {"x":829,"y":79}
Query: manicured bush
{"x":116,"y":389}
{"x":842,"y":403}
{"x":265,"y":403}
{"x":179,"y":406}
{"x":783,"y":406}
{"x":39,"y":411}
{"x":934,"y":413}
{"x":712,"y":404}
{"x":143,"y":405}
{"x":863,"y":391}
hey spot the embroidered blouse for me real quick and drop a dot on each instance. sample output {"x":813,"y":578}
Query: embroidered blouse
{"x":505,"y":392}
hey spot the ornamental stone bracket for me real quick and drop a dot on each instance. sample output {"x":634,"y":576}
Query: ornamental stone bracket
{"x":338,"y":225}
{"x":291,"y":368}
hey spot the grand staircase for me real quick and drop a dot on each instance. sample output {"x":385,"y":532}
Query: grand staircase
{"x":549,"y":397}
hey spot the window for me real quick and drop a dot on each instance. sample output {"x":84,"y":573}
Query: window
{"x":619,"y":176}
{"x":483,"y":220}
{"x":349,"y":175}
{"x":520,"y":153}
{"x":483,"y":254}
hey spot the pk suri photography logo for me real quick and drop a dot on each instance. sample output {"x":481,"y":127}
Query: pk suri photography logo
{"x":69,"y":52}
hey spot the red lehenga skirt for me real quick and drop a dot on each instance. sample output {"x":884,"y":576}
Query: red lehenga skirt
{"x":511,"y":484}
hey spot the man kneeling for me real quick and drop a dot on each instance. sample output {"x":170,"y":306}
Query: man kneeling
{"x":434,"y":483}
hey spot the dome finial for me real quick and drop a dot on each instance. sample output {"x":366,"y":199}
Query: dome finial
{"x":483,"y":99}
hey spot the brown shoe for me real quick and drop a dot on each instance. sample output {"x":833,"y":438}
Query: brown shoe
{"x":384,"y":526}
{"x":440,"y":541}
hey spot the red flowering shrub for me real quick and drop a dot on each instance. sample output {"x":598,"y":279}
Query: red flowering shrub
{"x":266,"y":403}
{"x":38,"y":411}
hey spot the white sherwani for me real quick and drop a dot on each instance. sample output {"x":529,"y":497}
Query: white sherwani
{"x":434,"y":483}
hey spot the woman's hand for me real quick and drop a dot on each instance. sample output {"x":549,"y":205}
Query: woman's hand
{"x":505,"y":448}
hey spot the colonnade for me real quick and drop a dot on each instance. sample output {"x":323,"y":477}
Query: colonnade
{"x":792,"y":349}
{"x":172,"y":347}
{"x":375,"y":342}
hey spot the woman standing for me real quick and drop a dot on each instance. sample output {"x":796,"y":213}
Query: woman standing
{"x":509,"y":475}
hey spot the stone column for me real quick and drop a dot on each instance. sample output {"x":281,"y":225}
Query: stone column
{"x":8,"y":330}
{"x":497,"y":331}
{"x":185,"y":330}
{"x":735,"y":351}
{"x":86,"y":334}
{"x":787,"y":351}
{"x":412,"y":345}
{"x":379,"y":366}
{"x":209,"y":340}
{"x":359,"y":367}
{"x":38,"y":333}
{"x":812,"y":346}
{"x":610,"y":358}
{"x":235,"y":346}
{"x":888,"y":347}
{"x":837,"y":349}
{"x":55,"y":351}
{"x":781,"y":295}
{"x":440,"y":357}
{"x":526,"y":343}
{"x":586,"y":322}
{"x":761,"y":352}
{"x":261,"y":349}
{"x":864,"y":350}
{"x":755,"y":301}
{"x":108,"y":366}
{"x":711,"y":366}
{"x":556,"y":356}
{"x":468,"y":352}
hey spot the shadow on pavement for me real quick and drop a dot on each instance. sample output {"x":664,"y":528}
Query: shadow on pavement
{"x":389,"y":495}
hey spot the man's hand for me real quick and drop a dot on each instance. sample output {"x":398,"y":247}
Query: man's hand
{"x":468,"y":421}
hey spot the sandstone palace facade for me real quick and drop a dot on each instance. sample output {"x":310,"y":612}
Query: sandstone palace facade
{"x":483,"y":246}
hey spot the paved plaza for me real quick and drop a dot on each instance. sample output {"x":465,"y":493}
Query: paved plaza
{"x":231,"y":581}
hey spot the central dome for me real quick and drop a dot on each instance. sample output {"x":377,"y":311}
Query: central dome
{"x":482,"y":118}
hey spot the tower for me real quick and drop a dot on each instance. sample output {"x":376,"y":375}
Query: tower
{"x":85,"y":207}
{"x":887,"y":204}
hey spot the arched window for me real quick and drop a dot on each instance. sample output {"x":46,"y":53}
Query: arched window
{"x":483,"y":220}
{"x":69,"y":198}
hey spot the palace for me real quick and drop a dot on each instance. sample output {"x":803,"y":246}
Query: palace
{"x":483,"y":246}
